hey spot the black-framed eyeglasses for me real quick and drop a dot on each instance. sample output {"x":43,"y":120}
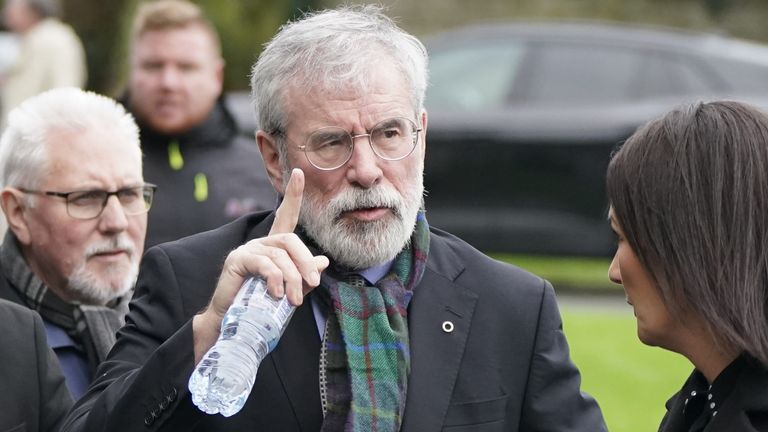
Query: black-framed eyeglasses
{"x":330,"y":147}
{"x":88,"y":204}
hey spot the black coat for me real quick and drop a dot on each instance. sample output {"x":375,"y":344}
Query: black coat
{"x":33,"y":396}
{"x":504,"y":367}
{"x":744,"y":410}
{"x":222,"y":177}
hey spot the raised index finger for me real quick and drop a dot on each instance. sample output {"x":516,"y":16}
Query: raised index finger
{"x":287,"y":215}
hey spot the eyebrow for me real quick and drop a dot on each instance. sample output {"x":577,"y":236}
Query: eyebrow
{"x":326,"y":134}
{"x":388,"y":122}
{"x":100,"y":189}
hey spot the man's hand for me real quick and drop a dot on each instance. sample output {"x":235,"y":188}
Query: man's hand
{"x":281,"y":258}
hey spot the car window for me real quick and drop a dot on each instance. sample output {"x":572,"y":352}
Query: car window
{"x":741,"y":76}
{"x":573,"y":73}
{"x":473,"y":78}
{"x":666,"y":74}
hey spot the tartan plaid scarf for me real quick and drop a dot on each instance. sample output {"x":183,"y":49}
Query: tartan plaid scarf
{"x":365,"y":358}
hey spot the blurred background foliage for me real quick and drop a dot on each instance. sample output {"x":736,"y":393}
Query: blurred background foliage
{"x":245,"y":25}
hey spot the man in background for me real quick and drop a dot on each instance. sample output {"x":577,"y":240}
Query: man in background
{"x":76,"y":205}
{"x":208,"y":173}
{"x":50,"y":54}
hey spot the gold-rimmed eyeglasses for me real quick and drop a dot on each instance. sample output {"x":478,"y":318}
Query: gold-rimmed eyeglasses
{"x":330,"y":147}
{"x":89,"y":204}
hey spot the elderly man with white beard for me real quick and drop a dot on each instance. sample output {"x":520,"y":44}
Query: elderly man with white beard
{"x":76,"y":204}
{"x":399,"y":326}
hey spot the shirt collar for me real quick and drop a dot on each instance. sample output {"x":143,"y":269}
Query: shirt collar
{"x":373,"y":274}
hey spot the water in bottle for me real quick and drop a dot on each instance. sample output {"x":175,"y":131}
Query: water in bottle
{"x":251,"y":328}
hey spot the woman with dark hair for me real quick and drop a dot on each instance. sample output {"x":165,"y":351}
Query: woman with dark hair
{"x":689,"y":204}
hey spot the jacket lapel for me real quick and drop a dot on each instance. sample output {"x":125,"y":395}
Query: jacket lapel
{"x":673,"y":418}
{"x":439,"y":319}
{"x":435,"y":352}
{"x":297,"y":366}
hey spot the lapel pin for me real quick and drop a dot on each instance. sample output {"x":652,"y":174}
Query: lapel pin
{"x":447,"y":326}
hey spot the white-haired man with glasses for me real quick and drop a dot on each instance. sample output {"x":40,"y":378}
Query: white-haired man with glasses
{"x":399,"y":326}
{"x":76,"y":203}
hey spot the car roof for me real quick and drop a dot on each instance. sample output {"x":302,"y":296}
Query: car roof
{"x":659,"y":37}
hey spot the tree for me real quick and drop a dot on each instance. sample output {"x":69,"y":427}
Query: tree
{"x":104,"y":27}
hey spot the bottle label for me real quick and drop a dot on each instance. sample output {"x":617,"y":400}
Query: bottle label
{"x":256,"y":288}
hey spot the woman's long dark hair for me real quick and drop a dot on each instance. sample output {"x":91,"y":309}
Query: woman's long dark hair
{"x":690,"y":192}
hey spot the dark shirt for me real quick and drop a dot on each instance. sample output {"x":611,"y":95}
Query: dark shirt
{"x":72,"y":359}
{"x":703,"y":400}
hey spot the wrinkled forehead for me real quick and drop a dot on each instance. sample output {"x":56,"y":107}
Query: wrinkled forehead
{"x":380,"y":81}
{"x":92,"y":140}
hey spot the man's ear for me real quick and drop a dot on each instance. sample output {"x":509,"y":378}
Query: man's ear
{"x":271,"y":157}
{"x":12,"y":202}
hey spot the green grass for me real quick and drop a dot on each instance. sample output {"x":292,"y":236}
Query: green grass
{"x":630,"y":381}
{"x":566,"y":272}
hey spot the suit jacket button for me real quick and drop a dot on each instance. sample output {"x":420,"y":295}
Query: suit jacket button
{"x":172,"y":396}
{"x":164,"y":404}
{"x":149,"y":419}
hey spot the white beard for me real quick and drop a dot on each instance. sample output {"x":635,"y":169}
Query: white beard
{"x":91,"y":289}
{"x":356,"y":244}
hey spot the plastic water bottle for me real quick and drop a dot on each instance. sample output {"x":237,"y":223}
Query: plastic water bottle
{"x":251,"y":328}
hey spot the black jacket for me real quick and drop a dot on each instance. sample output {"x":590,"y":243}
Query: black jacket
{"x":745,"y":409}
{"x":33,"y":396}
{"x":504,"y":366}
{"x":206,"y":177}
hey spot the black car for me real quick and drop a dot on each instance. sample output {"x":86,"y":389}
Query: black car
{"x":523,"y":118}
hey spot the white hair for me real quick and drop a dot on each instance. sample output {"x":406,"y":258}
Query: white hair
{"x":333,"y":51}
{"x":23,"y":146}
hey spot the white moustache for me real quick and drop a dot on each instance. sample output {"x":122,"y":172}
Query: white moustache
{"x":116,"y":244}
{"x":356,"y":198}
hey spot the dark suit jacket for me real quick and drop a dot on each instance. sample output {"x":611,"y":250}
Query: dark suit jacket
{"x":505,"y":367}
{"x":744,"y":410}
{"x":33,"y":396}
